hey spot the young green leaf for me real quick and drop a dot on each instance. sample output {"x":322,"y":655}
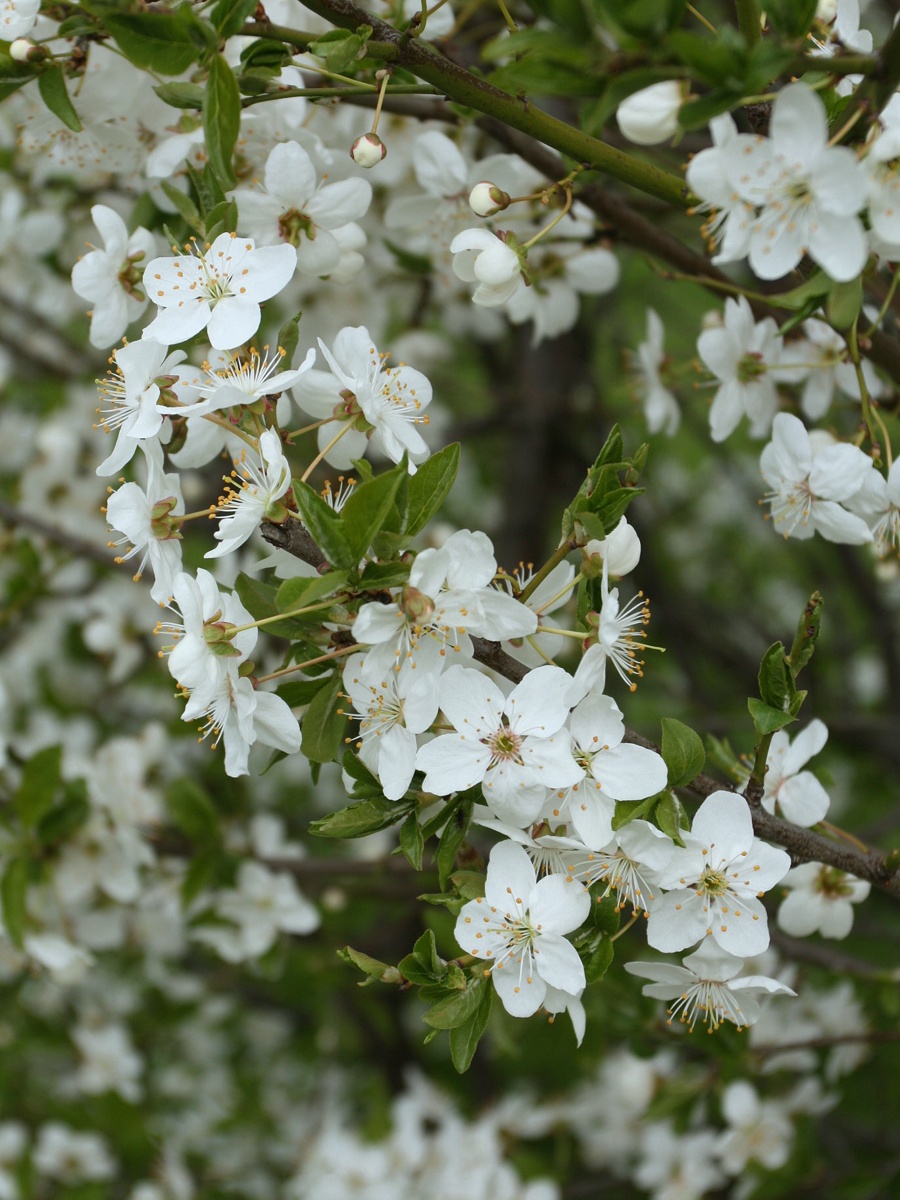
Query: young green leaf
{"x":55,"y":94}
{"x":323,"y":725}
{"x":464,"y":1038}
{"x":430,"y":486}
{"x":682,"y":751}
{"x":221,"y":119}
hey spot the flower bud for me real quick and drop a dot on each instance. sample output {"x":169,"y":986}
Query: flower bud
{"x":25,"y":50}
{"x":486,"y":198}
{"x":620,"y":550}
{"x":651,"y":115}
{"x":416,"y":606}
{"x":367,"y":151}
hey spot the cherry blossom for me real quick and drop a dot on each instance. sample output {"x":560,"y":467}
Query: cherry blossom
{"x":820,"y":900}
{"x":109,"y":278}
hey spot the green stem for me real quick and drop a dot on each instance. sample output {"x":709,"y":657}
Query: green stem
{"x":748,"y":19}
{"x":462,"y":87}
{"x":757,"y":783}
{"x":554,"y":560}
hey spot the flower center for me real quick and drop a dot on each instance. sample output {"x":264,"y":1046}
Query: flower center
{"x":712,"y":882}
{"x":294,"y":225}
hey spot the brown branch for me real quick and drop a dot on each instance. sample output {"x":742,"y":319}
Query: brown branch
{"x":296,"y":539}
{"x":828,"y":956}
{"x":13,"y":517}
{"x":840,"y":1039}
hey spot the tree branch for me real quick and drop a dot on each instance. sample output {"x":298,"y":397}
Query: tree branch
{"x":463,"y":87}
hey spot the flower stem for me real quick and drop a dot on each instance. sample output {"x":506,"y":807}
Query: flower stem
{"x":311,"y":662}
{"x":315,"y":462}
{"x":554,"y":560}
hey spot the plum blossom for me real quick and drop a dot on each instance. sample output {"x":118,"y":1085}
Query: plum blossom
{"x":609,"y":770}
{"x":144,"y":378}
{"x":366,"y":399}
{"x":490,"y":261}
{"x":17,"y":18}
{"x":296,"y":207}
{"x":660,"y":406}
{"x":150,"y":520}
{"x":392,"y":709}
{"x":519,"y":926}
{"x":717,"y":877}
{"x":820,"y":900}
{"x":110,"y":278}
{"x":218,"y":289}
{"x":260,"y":488}
{"x":742,"y":354}
{"x":650,"y":115}
{"x":448,"y":599}
{"x":263,"y":904}
{"x":506,"y":744}
{"x":759,"y":1130}
{"x":808,"y":193}
{"x":707,"y":988}
{"x":810,"y":476}
{"x":798,"y":795}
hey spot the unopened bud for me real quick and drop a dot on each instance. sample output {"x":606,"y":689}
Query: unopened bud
{"x":367,"y":151}
{"x":621,"y":551}
{"x":486,"y":198}
{"x":416,"y":606}
{"x":25,"y":50}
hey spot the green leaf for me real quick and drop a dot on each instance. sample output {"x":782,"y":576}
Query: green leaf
{"x":791,"y":17}
{"x":430,"y":486}
{"x":55,"y":94}
{"x":288,"y":337}
{"x":357,"y":820}
{"x":184,"y":205}
{"x":695,"y":114}
{"x":202,"y":873}
{"x":605,"y":914}
{"x":222,"y":119}
{"x":193,"y":812}
{"x":774,"y":677}
{"x":424,"y":965}
{"x":222,"y":218}
{"x":37,"y":790}
{"x":155,"y":41}
{"x":671,"y":818}
{"x":324,"y":724}
{"x":716,"y":61}
{"x":816,"y":287}
{"x":366,"y":509}
{"x":308,"y":590}
{"x":229,"y":16}
{"x":67,"y":817}
{"x":456,"y":1009}
{"x":469,"y":884}
{"x":365,"y":785}
{"x":451,"y":840}
{"x":181,"y":95}
{"x":411,"y":841}
{"x":682,"y":751}
{"x":630,"y":810}
{"x":299,"y":692}
{"x":375,"y":971}
{"x":464,"y":1038}
{"x":807,"y":634}
{"x":325,"y":525}
{"x":13,"y":74}
{"x":377,"y":576}
{"x":599,"y":961}
{"x":844,"y":303}
{"x":340,"y":47}
{"x":767,"y":719}
{"x":14,"y":893}
{"x":260,"y":600}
